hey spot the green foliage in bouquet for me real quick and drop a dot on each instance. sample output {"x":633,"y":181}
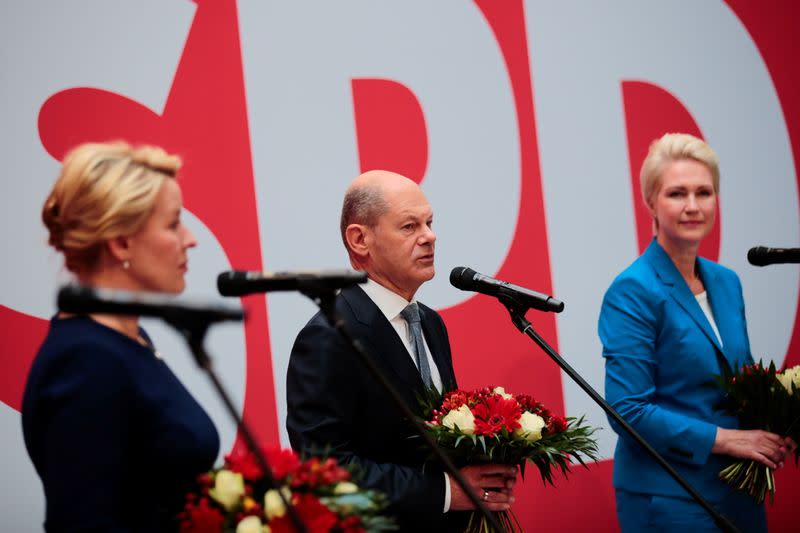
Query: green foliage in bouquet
{"x":761,"y":398}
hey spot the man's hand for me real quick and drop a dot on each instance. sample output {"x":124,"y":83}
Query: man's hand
{"x":493,"y":484}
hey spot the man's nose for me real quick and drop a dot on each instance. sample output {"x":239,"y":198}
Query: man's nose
{"x":428,"y":235}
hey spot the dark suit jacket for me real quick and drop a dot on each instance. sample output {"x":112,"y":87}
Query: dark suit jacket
{"x":115,"y":437}
{"x":335,"y":404}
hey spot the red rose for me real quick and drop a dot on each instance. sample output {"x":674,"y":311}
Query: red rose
{"x":557,"y":424}
{"x":496,"y":413}
{"x":527,"y":402}
{"x":242,"y":461}
{"x":314,"y":472}
{"x":316,"y":516}
{"x":282,"y":462}
{"x":201,"y":518}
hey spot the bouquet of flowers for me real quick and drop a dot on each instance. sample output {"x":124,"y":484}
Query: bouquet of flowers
{"x":489,"y":425}
{"x":761,"y":398}
{"x":237,"y":499}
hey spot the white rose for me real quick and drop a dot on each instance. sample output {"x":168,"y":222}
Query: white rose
{"x":786,"y":381}
{"x":788,"y":377}
{"x":345,"y":487}
{"x":228,"y":489}
{"x":461,"y":417}
{"x":250,"y":524}
{"x":273,"y":505}
{"x":795,"y":371}
{"x":531,"y":426}
{"x":502,"y":392}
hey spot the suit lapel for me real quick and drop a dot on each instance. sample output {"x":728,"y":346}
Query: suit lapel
{"x":679,"y":290}
{"x":721,"y":309}
{"x":381,"y":339}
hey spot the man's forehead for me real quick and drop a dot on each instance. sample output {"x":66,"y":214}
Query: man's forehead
{"x":411,"y":210}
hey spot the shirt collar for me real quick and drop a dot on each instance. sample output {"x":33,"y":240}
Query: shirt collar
{"x":390,"y":303}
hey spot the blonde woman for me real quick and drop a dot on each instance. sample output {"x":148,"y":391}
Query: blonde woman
{"x":668,"y":324}
{"x":113,"y":434}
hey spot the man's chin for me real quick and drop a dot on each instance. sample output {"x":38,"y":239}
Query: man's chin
{"x":427,"y":274}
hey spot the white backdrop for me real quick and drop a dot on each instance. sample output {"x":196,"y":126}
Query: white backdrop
{"x":298,"y":61}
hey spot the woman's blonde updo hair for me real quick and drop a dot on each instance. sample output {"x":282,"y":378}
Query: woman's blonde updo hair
{"x":105,"y":190}
{"x":674,"y":147}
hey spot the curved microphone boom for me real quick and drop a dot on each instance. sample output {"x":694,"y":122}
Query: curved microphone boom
{"x":763,"y":256}
{"x":241,"y":283}
{"x":467,"y":279}
{"x":80,"y":300}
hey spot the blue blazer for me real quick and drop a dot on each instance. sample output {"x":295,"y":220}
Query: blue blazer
{"x":661,"y":355}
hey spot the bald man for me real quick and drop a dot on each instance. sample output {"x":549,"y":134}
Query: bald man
{"x":334,"y":403}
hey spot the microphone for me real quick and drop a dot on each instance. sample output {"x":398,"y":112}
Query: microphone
{"x":467,"y":279}
{"x":763,"y":256}
{"x":240,"y":283}
{"x":80,"y":300}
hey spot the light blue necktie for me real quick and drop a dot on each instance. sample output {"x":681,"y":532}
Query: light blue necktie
{"x":411,"y":316}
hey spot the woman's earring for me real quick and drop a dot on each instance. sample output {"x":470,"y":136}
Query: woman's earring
{"x":126,"y":264}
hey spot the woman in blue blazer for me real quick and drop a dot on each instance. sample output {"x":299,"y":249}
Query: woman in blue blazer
{"x":668,"y":324}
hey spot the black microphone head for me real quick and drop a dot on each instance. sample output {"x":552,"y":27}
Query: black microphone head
{"x":462,"y":278}
{"x":758,"y":256}
{"x":556,"y":306}
{"x":74,"y":298}
{"x":241,"y":283}
{"x":80,"y":299}
{"x":232,"y":283}
{"x":763,"y":256}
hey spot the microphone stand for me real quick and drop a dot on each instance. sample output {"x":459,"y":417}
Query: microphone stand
{"x":517,"y":311}
{"x":325,"y":298}
{"x":194,"y":332}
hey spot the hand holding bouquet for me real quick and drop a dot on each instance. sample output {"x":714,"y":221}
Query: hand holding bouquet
{"x":761,"y":398}
{"x":489,"y":425}
{"x":237,"y":499}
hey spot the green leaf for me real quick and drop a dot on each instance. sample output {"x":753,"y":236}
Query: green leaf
{"x":482,"y":440}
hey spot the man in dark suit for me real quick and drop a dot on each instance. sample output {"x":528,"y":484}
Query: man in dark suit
{"x":334,"y":403}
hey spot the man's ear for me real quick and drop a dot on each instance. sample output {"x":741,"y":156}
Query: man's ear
{"x":358,"y":239}
{"x":119,"y":248}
